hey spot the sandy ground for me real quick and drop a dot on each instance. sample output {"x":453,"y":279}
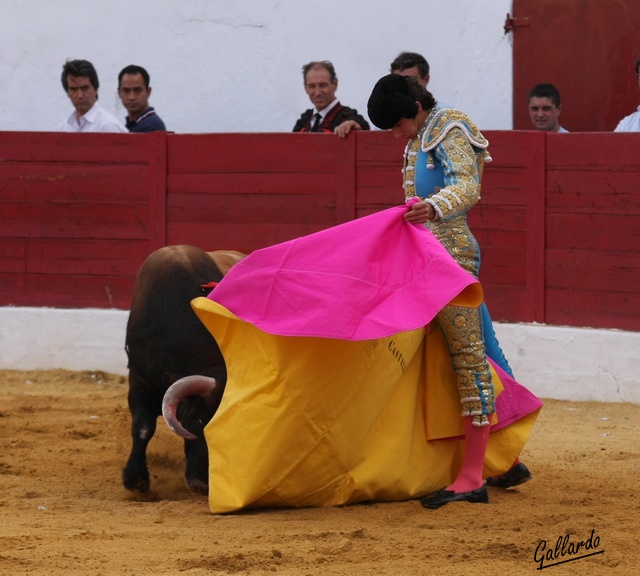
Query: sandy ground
{"x":63,"y":510}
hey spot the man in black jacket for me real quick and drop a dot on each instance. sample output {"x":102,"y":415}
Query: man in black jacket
{"x":327,"y":115}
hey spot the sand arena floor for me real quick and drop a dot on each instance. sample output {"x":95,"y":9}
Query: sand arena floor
{"x":63,"y":510}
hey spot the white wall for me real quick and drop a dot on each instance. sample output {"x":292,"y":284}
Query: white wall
{"x":573,"y":363}
{"x":51,"y":338}
{"x":222,"y":66}
{"x":553,"y":362}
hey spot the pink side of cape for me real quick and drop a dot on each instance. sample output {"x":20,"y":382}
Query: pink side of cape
{"x":514,"y":402}
{"x":368,"y":278}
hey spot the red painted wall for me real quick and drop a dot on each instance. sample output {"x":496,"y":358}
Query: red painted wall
{"x":557,"y":223}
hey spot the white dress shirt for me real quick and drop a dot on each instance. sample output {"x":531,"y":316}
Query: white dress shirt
{"x":630,"y":123}
{"x":97,"y":119}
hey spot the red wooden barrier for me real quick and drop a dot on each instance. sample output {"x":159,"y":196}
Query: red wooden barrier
{"x":557,"y":223}
{"x":592,"y":269}
{"x":248,"y":191}
{"x":79,"y":213}
{"x":508,"y":223}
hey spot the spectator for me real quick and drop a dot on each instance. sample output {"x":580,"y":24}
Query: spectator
{"x":545,"y":107}
{"x":412,"y":64}
{"x":134,"y":91}
{"x":80,"y":82}
{"x":631,"y":123}
{"x":416,"y":65}
{"x":327,"y":114}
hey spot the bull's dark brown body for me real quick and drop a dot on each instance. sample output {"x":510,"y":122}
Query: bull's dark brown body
{"x":166,"y":341}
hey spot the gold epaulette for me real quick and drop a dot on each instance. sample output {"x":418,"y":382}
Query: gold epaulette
{"x":442,"y":120}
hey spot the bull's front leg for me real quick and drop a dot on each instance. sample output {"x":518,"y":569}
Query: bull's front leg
{"x":195,"y":414}
{"x":197,"y":468}
{"x":144,"y":413}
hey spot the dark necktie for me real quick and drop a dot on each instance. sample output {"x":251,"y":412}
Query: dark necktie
{"x":317,"y":117}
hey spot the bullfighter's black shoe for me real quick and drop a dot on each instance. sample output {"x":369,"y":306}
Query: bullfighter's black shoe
{"x":518,"y":474}
{"x":442,"y":497}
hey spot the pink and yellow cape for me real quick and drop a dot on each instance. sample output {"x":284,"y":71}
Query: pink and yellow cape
{"x":340,"y":388}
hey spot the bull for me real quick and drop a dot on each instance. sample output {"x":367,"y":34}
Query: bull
{"x":166,"y":342}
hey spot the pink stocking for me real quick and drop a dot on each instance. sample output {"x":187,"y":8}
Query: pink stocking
{"x":470,"y":475}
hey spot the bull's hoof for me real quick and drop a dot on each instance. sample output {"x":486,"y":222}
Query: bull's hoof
{"x":135,"y":482}
{"x":198,"y":486}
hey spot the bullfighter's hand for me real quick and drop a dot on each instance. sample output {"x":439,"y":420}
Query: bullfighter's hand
{"x":420,"y":212}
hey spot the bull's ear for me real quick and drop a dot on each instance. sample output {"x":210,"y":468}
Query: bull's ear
{"x":208,"y":287}
{"x":225,"y":259}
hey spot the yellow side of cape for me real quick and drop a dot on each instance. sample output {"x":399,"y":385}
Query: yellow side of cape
{"x":321,"y":422}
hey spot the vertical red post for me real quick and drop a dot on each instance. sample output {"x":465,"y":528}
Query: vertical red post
{"x":535,"y":227}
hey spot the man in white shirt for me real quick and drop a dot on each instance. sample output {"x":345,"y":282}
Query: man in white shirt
{"x":80,"y":82}
{"x":631,"y":123}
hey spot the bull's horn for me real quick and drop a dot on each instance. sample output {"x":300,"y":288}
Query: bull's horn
{"x":178,"y":391}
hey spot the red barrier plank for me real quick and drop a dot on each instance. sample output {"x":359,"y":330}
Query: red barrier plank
{"x":601,"y":271}
{"x":593,"y":151}
{"x":74,"y":221}
{"x":103,"y":148}
{"x":595,"y":309}
{"x":55,"y":256}
{"x":247,"y":209}
{"x":504,"y":266}
{"x":234,"y":184}
{"x":377,"y":148}
{"x":231,"y":236}
{"x":594,"y":191}
{"x":65,"y":183}
{"x":601,"y":231}
{"x":63,"y":291}
{"x":506,"y":303}
{"x":211,"y":153}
